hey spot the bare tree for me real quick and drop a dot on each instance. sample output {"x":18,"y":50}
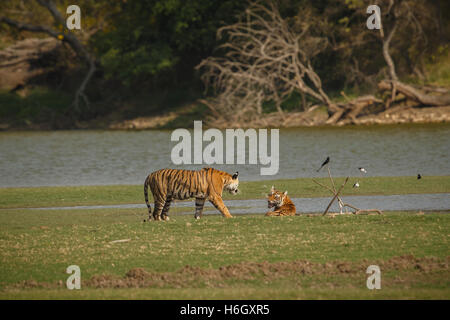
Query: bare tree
{"x":264,"y":61}
{"x":400,"y":12}
{"x":69,"y":38}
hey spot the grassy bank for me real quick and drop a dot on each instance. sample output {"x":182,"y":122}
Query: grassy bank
{"x":246,"y":257}
{"x":301,"y":187}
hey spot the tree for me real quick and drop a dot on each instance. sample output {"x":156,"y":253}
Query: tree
{"x":157,"y":43}
{"x":400,"y":12}
{"x":263,"y":61}
{"x":65,"y":36}
{"x":266,"y":57}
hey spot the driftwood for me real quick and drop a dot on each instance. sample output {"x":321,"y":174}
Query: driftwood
{"x":358,"y":211}
{"x":335,"y":196}
{"x":333,"y":190}
{"x":398,"y":10}
{"x":416,"y":95}
{"x":264,"y":60}
{"x":342,"y":204}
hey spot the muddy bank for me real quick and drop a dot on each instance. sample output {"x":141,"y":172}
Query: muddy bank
{"x":294,"y":119}
{"x":190,"y":276}
{"x":172,"y":120}
{"x":306,"y":119}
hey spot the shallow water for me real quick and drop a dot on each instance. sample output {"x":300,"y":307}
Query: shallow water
{"x":63,"y":158}
{"x":438,"y":201}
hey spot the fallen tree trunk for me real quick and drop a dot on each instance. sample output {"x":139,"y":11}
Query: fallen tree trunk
{"x":351,"y":109}
{"x":414,"y":94}
{"x":359,"y":211}
{"x":335,"y":117}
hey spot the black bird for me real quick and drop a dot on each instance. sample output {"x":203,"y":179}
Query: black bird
{"x":419,"y":176}
{"x":324,"y":163}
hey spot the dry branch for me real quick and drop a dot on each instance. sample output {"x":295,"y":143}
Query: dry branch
{"x":340,"y":202}
{"x":333,"y":191}
{"x":416,"y":95}
{"x":264,"y":61}
{"x":335,"y":196}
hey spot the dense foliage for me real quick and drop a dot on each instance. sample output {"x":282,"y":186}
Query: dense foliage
{"x":145,"y":47}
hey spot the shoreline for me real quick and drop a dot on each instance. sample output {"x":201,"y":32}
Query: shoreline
{"x":315,"y":205}
{"x":317,"y":119}
{"x":29,"y":197}
{"x":46,"y":128}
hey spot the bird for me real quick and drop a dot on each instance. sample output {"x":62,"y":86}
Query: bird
{"x":327,"y":160}
{"x":356,"y":185}
{"x":419,"y":176}
{"x":362,"y":169}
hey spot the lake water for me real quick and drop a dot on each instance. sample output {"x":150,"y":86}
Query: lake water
{"x":62,"y":158}
{"x":437,"y":201}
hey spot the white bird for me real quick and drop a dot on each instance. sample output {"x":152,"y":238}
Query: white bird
{"x":362,"y":170}
{"x":356,"y":185}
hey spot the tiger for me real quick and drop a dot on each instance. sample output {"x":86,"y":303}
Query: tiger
{"x":178,"y":184}
{"x":282,"y":204}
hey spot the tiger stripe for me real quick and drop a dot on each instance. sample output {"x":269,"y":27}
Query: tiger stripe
{"x":167,"y":185}
{"x":282,"y":204}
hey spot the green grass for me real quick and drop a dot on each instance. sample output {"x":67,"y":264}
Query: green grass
{"x":225,"y":294}
{"x":36,"y":246}
{"x":302,"y":187}
{"x":438,"y":71}
{"x":39,"y":245}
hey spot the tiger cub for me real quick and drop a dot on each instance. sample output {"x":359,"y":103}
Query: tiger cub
{"x":282,"y":204}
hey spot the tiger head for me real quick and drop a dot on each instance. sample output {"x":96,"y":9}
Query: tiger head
{"x":232,"y":183}
{"x":276,"y":198}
